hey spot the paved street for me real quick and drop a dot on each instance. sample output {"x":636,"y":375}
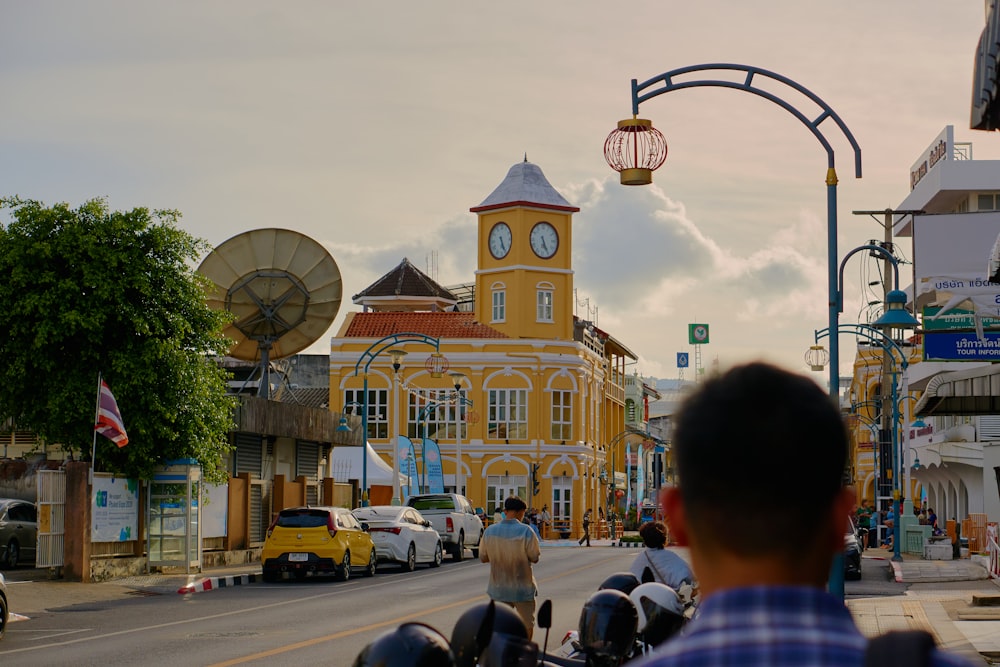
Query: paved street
{"x":300,"y":623}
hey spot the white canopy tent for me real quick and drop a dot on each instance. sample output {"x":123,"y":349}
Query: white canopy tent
{"x":346,"y":463}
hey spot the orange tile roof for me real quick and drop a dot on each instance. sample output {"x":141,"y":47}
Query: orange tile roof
{"x":437,"y":325}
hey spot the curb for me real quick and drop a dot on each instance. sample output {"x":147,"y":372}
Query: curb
{"x":212,"y":583}
{"x":627,"y":545}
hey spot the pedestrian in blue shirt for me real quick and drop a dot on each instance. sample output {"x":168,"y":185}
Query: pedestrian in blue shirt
{"x":511,"y":547}
{"x":763,"y":600}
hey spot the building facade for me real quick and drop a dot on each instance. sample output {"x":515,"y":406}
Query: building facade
{"x":532,"y":395}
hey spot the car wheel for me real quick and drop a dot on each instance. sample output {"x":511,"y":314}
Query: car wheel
{"x":410,"y":564}
{"x":372,"y":564}
{"x":458,"y":553}
{"x":343,"y":571}
{"x":11,"y":555}
{"x":438,"y":556}
{"x":3,"y":615}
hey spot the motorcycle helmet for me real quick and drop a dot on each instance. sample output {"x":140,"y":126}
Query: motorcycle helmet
{"x":608,"y":625}
{"x":409,"y":645}
{"x":466,"y":636}
{"x":660,"y":610}
{"x":509,"y":651}
{"x":620,"y":581}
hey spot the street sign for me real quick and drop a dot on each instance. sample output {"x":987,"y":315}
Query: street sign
{"x":956,"y":318}
{"x":697,"y":334}
{"x":682,"y":360}
{"x":961,"y":346}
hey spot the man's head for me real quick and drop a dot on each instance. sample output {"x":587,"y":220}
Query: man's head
{"x":514,"y":505}
{"x":653,"y":534}
{"x":743,"y":443}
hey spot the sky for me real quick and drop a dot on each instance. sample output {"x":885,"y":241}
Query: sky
{"x":374,"y":127}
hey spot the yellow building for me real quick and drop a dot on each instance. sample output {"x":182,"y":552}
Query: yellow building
{"x":542,"y":390}
{"x":866,"y":422}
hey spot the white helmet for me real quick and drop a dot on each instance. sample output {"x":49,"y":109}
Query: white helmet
{"x":661,"y":611}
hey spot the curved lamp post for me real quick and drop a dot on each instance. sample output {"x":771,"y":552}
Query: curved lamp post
{"x":364,"y":362}
{"x":610,"y":451}
{"x":635,"y":152}
{"x":894,"y":316}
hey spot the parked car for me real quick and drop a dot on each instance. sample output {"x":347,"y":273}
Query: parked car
{"x":852,"y":553}
{"x":308,"y":541}
{"x":402,"y":535}
{"x":18,"y":532}
{"x":4,"y":609}
{"x":453,"y":518}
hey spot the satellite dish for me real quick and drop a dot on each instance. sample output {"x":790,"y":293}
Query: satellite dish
{"x":283,"y":287}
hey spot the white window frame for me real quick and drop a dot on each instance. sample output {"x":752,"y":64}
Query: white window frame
{"x":544,"y":300}
{"x":508,"y":414}
{"x":562,"y":498}
{"x":499,"y":307}
{"x":562,"y":415}
{"x":378,"y":410}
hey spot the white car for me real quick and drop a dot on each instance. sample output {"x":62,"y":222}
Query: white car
{"x":401,"y":535}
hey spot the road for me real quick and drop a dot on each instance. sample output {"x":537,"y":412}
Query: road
{"x":288,"y":623}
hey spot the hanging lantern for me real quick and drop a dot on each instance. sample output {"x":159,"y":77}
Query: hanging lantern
{"x":635,"y":149}
{"x":817,"y":357}
{"x":436,"y":364}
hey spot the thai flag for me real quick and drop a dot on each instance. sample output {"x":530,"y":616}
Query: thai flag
{"x":109,"y":420}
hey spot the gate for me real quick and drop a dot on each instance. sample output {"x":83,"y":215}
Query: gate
{"x":51,"y":495}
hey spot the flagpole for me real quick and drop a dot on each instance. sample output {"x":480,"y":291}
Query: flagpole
{"x":97,"y":414}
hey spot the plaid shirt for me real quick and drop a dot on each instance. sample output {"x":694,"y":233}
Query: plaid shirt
{"x":772,"y":626}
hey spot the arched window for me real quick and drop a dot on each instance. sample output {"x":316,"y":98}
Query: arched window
{"x":543,"y":299}
{"x":499,"y":291}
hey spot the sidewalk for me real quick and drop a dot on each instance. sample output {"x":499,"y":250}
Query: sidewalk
{"x":945,"y":611}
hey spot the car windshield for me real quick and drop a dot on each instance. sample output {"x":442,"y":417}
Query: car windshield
{"x":303,"y":519}
{"x":433,"y":503}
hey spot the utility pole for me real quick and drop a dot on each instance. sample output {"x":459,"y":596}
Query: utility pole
{"x":889,"y":464}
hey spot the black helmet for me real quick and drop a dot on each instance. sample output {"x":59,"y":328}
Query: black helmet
{"x":620,"y":581}
{"x":509,"y":651}
{"x":608,"y":625}
{"x":409,"y":645}
{"x":467,"y":640}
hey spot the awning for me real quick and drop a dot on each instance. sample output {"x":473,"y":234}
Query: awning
{"x":972,"y":392}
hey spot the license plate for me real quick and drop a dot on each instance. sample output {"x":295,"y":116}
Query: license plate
{"x":298,"y":558}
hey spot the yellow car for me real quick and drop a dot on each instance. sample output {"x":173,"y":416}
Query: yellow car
{"x":309,"y":541}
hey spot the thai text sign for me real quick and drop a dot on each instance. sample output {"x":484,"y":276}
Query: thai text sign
{"x":956,"y":318}
{"x":961,"y":346}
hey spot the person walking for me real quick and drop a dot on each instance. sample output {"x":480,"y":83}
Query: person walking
{"x":764,"y":601}
{"x":586,"y":529}
{"x":544,"y":521}
{"x":511,"y":547}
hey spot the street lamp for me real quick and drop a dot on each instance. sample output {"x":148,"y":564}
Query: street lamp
{"x":610,"y":451}
{"x":635,"y":159}
{"x":457,"y":379}
{"x":364,"y":362}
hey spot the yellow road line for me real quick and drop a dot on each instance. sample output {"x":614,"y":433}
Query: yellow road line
{"x":395,"y":621}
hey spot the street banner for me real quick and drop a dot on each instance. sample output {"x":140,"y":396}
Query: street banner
{"x":114,"y":509}
{"x":433,"y":472}
{"x":408,"y":465}
{"x":955,"y":319}
{"x":628,"y":475}
{"x":640,"y":480}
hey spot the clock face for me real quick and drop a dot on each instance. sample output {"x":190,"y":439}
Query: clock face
{"x":544,"y":240}
{"x":500,"y":240}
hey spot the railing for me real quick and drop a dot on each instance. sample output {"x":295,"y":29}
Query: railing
{"x":994,"y":550}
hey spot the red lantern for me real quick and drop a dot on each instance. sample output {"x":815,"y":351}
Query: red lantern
{"x":635,"y":149}
{"x":619,"y":493}
{"x":436,"y":364}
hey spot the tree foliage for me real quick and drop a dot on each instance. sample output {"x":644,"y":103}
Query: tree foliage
{"x":88,"y":291}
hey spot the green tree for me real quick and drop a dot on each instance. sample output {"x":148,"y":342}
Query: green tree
{"x":88,"y":291}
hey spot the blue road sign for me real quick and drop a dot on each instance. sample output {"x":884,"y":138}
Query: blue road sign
{"x":682,"y":360}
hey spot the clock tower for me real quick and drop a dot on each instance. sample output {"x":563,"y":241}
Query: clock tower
{"x":524,"y":280}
